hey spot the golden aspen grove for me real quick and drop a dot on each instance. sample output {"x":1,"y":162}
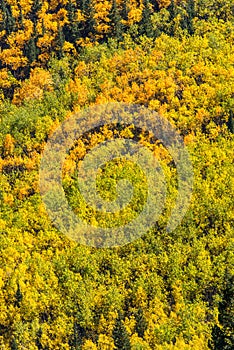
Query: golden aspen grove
{"x":164,"y":290}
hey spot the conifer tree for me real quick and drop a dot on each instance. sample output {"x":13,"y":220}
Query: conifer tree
{"x":30,"y":50}
{"x":20,"y":16}
{"x":71,"y":29}
{"x":60,"y":42}
{"x":145,"y":25}
{"x":190,"y":15}
{"x":8,"y":19}
{"x":33,"y":15}
{"x":173,"y":12}
{"x":38,"y":339}
{"x":141,"y":323}
{"x":88,"y":28}
{"x":116,"y":25}
{"x":18,"y":296}
{"x":223,"y":337}
{"x":120,"y":335}
{"x":230,"y":123}
{"x":125,"y":10}
{"x":14,"y":345}
{"x":77,"y":336}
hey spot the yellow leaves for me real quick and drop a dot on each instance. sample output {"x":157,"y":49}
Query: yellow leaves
{"x":79,"y":151}
{"x":106,"y":325}
{"x":140,"y":297}
{"x":138,"y":343}
{"x":2,"y":225}
{"x":130,"y":324}
{"x":134,"y":15}
{"x":178,"y":296}
{"x":26,"y":6}
{"x":81,"y":69}
{"x":23,"y":192}
{"x":102,"y":28}
{"x":8,"y":145}
{"x":20,"y":37}
{"x":8,"y":199}
{"x":163,"y":3}
{"x":202,"y":115}
{"x":81,"y":90}
{"x":189,"y":139}
{"x":69,"y":167}
{"x":105,"y":342}
{"x":89,"y":345}
{"x":61,"y":16}
{"x":40,"y":81}
{"x":86,"y":42}
{"x":69,"y":48}
{"x":45,"y":42}
{"x":127,"y":132}
{"x":102,"y":9}
{"x":80,"y":16}
{"x":13,"y":58}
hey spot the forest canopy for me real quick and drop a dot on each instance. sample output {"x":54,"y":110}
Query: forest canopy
{"x":165,"y":290}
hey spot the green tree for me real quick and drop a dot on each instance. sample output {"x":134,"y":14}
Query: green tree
{"x":141,"y":323}
{"x":8,"y":19}
{"x":18,"y":296}
{"x":116,"y":25}
{"x":120,"y":335}
{"x":88,"y":27}
{"x":14,"y":345}
{"x":31,"y":50}
{"x":72,"y":29}
{"x":77,"y":337}
{"x":230,"y":123}
{"x":60,"y":42}
{"x":223,"y":337}
{"x":145,"y":25}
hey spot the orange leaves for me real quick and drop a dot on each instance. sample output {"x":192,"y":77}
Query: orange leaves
{"x":163,"y":3}
{"x":6,"y":79}
{"x":13,"y":58}
{"x":102,"y":10}
{"x":61,"y":16}
{"x":80,"y":90}
{"x":39,"y":82}
{"x":8,"y":145}
{"x":135,"y":12}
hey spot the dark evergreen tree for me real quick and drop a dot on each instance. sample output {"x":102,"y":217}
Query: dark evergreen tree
{"x":43,"y":27}
{"x":72,"y":29}
{"x":30,"y":50}
{"x":21,"y":25}
{"x":223,"y":337}
{"x":77,"y":336}
{"x":38,"y":339}
{"x":120,"y":335}
{"x":187,"y":23}
{"x":125,"y":10}
{"x":173,"y":13}
{"x":145,"y":25}
{"x":88,"y":29}
{"x":141,"y":323}
{"x":36,"y":6}
{"x":60,"y":42}
{"x":14,"y":345}
{"x":8,"y":19}
{"x":230,"y":123}
{"x":116,"y":25}
{"x":18,"y":296}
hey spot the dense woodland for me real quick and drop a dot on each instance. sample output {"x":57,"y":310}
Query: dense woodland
{"x":165,"y":290}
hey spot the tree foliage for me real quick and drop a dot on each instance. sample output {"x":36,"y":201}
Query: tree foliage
{"x":164,"y":290}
